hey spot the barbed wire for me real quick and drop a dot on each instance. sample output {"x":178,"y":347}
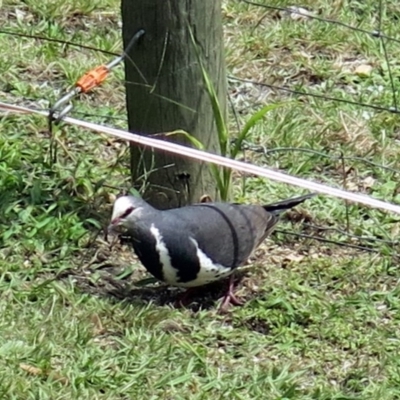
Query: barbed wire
{"x":366,"y":243}
{"x":391,"y":109}
{"x":328,"y":241}
{"x":59,"y":41}
{"x":378,"y":34}
{"x":248,"y":146}
{"x":294,"y":10}
{"x":256,"y":148}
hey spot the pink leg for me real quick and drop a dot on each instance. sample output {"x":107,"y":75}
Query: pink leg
{"x":230,"y":297}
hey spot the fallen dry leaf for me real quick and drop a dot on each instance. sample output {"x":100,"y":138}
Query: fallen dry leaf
{"x":98,"y":328}
{"x":293,"y":257}
{"x":395,"y":230}
{"x":368,"y":182}
{"x":363,"y":70}
{"x":31,"y":369}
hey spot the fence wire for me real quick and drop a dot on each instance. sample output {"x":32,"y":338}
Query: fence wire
{"x":346,"y":236}
{"x":326,"y":233}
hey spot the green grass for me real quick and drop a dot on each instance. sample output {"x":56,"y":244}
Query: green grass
{"x":320,"y":321}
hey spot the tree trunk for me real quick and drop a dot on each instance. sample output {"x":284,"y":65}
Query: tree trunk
{"x":165,"y":92}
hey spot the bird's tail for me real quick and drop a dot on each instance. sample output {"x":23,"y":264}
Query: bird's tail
{"x":280,"y":206}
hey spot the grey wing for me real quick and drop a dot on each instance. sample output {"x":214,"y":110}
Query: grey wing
{"x":227,"y":233}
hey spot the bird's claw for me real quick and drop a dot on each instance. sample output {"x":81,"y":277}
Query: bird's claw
{"x":229,"y":298}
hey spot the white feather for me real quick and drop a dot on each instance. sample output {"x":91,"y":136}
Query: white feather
{"x":121,"y":205}
{"x":209,"y":271}
{"x":169,"y":272}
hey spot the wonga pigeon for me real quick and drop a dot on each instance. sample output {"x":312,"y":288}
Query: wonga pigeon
{"x":197,"y":244}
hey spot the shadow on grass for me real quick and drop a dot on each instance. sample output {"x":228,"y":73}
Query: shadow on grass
{"x":118,"y":290}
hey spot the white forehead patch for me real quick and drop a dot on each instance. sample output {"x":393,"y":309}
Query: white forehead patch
{"x":120,"y":206}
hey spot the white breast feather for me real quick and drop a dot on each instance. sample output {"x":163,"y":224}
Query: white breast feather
{"x":209,"y":271}
{"x":169,"y":272}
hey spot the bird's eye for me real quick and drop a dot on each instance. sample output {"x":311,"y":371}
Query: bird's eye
{"x":127,"y":212}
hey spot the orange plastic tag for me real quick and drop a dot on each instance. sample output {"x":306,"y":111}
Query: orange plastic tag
{"x":93,"y":78}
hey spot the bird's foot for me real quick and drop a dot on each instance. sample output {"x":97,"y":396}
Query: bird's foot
{"x":229,"y":297}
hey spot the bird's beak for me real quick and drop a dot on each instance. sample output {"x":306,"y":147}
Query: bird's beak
{"x":116,"y":227}
{"x":113,"y":227}
{"x":112,"y":230}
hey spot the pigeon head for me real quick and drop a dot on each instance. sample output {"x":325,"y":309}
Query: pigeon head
{"x":126,"y":210}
